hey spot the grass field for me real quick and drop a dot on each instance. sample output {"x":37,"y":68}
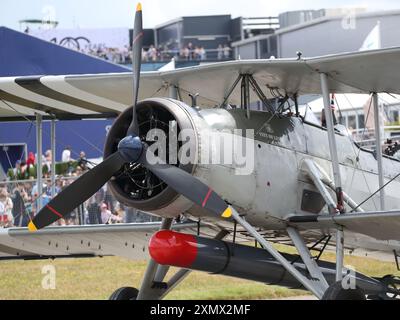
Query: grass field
{"x":97,"y":278}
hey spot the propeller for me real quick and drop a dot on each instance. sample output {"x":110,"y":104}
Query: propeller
{"x":130,"y":150}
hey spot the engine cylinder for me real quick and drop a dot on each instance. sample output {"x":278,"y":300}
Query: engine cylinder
{"x":135,"y":186}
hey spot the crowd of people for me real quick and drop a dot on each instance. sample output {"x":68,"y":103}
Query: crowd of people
{"x":19,"y":196}
{"x":161,"y":53}
{"x":186,"y":53}
{"x":114,"y":55}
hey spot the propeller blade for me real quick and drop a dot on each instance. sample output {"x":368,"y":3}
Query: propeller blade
{"x":137,"y":44}
{"x":77,"y":192}
{"x":189,"y":186}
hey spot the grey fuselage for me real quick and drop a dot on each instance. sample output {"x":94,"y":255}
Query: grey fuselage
{"x":276,"y":188}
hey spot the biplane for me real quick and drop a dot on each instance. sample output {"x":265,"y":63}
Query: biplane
{"x":311,"y":186}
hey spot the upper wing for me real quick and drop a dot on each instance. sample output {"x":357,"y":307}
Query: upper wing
{"x":379,"y":225}
{"x":124,"y":240}
{"x":360,"y":72}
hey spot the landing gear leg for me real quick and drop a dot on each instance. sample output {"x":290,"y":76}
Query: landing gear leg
{"x":155,"y":273}
{"x":316,"y":286}
{"x":153,"y":285}
{"x":152,"y":281}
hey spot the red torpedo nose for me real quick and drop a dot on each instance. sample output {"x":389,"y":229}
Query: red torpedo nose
{"x":173,"y":248}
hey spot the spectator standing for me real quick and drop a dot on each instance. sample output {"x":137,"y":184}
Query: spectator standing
{"x":66,"y":158}
{"x":7,"y":217}
{"x":202,"y":53}
{"x":191,"y":51}
{"x":31,"y":160}
{"x":2,"y":214}
{"x":66,"y":154}
{"x":106,"y":216}
{"x":21,"y":219}
{"x":94,"y":213}
{"x":82,"y":161}
{"x":227,"y":52}
{"x":24,"y":171}
{"x":48,"y":157}
{"x":186,"y":53}
{"x":17,"y":169}
{"x":220,"y":52}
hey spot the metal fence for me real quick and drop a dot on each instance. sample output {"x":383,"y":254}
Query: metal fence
{"x":19,"y":202}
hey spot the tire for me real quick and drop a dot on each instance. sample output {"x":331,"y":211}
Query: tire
{"x":125,"y":293}
{"x":336,"y":292}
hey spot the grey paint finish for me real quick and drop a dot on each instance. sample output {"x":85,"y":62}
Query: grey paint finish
{"x":329,"y":37}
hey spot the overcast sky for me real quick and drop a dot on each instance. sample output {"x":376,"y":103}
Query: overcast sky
{"x":119,"y":13}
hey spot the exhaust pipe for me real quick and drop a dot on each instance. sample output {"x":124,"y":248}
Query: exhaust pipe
{"x":240,"y":261}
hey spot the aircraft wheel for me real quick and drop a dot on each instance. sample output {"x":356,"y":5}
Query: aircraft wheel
{"x":336,"y":292}
{"x":125,"y":293}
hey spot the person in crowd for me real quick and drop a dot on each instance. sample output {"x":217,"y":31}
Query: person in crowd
{"x":152,"y":54}
{"x":19,"y":212}
{"x":78,"y":172}
{"x":220,"y":52}
{"x":2,"y":214}
{"x":7,"y":217}
{"x":17,"y":169}
{"x":191,"y":50}
{"x":94,"y":213}
{"x":120,"y":211}
{"x":106,"y":216}
{"x":185,"y":53}
{"x":66,"y":154}
{"x":202,"y":53}
{"x":196,"y":55}
{"x":31,"y":159}
{"x":109,"y":199}
{"x":66,"y":158}
{"x":82,"y":161}
{"x":59,"y":185}
{"x":24,"y":171}
{"x":48,"y":158}
{"x":227,"y":52}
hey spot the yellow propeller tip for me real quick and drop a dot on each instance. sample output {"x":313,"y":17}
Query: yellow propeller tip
{"x":227,"y":213}
{"x":139,"y":7}
{"x":31,"y":227}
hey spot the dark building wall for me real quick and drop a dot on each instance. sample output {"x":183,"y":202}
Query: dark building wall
{"x":207,"y":31}
{"x":170,"y":35}
{"x":236,"y":29}
{"x":207,"y":25}
{"x":148,"y":37}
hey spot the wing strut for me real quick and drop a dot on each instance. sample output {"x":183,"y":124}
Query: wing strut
{"x":336,"y":173}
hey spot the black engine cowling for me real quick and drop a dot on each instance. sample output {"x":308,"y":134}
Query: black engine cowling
{"x":134,"y":185}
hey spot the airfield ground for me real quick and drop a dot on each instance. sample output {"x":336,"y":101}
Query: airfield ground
{"x":97,"y":278}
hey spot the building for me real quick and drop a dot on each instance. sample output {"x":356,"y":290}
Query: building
{"x":210,"y":32}
{"x":320,"y":33}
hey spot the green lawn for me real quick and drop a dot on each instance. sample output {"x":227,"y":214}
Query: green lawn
{"x":97,"y":278}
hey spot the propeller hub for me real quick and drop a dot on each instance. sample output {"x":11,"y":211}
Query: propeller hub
{"x":130,"y":148}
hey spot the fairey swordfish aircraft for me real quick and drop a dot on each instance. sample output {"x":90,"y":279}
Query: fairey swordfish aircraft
{"x":311,"y":187}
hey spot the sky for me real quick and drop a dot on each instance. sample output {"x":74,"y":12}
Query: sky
{"x":120,"y":13}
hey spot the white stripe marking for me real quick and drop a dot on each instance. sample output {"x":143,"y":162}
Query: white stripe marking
{"x":58,"y":83}
{"x":8,"y":85}
{"x":17,"y":109}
